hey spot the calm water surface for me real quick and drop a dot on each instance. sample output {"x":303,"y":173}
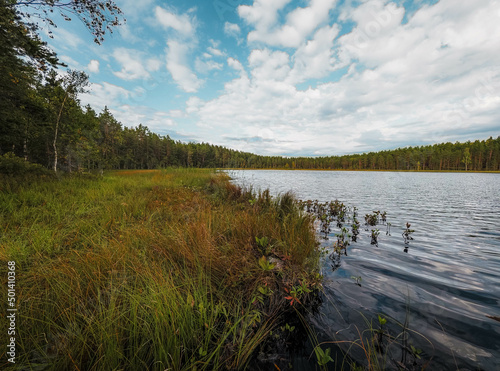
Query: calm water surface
{"x":446,"y":283}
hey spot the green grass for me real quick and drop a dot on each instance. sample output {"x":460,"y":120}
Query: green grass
{"x":149,"y":269}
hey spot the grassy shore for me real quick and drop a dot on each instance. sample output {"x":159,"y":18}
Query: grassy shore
{"x":175,"y":269}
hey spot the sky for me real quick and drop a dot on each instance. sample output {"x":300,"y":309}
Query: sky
{"x":297,"y":77}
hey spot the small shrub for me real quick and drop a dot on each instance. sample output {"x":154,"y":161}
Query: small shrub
{"x":12,"y":165}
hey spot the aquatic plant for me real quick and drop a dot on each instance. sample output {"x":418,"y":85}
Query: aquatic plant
{"x":383,"y":215}
{"x":371,"y":219}
{"x":407,"y":233}
{"x":357,"y":280}
{"x":322,"y":356}
{"x":294,"y":295}
{"x":374,"y":236}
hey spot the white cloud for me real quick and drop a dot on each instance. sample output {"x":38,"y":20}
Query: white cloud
{"x":183,"y":23}
{"x":135,"y":9}
{"x":263,"y":13}
{"x":207,"y":66}
{"x":315,"y":59}
{"x":153,"y":64}
{"x":235,"y":64}
{"x":105,"y":94}
{"x":267,"y":65}
{"x":178,"y":68}
{"x":176,"y":113}
{"x":215,"y":51}
{"x":300,"y":23}
{"x":232,"y":29}
{"x":93,"y":66}
{"x":434,"y":78}
{"x":127,"y":34}
{"x":133,"y":64}
{"x":66,"y":39}
{"x":193,"y":104}
{"x":132,"y":116}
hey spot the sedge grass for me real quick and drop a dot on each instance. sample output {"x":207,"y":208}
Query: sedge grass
{"x":148,"y":269}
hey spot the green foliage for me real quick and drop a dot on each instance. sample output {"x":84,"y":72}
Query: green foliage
{"x":16,"y":166}
{"x":374,"y":235}
{"x":467,"y":158}
{"x":407,"y":233}
{"x":357,"y":279}
{"x":265,"y":264}
{"x":263,"y":245}
{"x":371,"y":219}
{"x":323,"y":356}
{"x":416,"y":352}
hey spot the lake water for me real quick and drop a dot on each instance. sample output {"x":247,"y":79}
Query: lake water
{"x":446,"y":282}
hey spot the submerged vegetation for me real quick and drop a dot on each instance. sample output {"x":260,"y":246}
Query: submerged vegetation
{"x":388,"y":344}
{"x":175,"y":269}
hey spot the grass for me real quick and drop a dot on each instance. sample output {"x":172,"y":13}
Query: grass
{"x":150,"y":269}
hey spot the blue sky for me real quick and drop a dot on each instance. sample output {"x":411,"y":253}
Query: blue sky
{"x":297,"y":78}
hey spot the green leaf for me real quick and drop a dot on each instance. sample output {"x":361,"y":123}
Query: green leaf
{"x":323,"y":357}
{"x":265,"y":265}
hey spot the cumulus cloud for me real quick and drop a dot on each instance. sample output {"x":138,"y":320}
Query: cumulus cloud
{"x":394,"y":79}
{"x":134,"y":64}
{"x":204,"y":66}
{"x":183,"y":23}
{"x":433,"y":78}
{"x":315,"y":59}
{"x":105,"y":93}
{"x":232,"y":29}
{"x":300,"y":23}
{"x":269,"y":65}
{"x":215,"y":51}
{"x":134,"y":115}
{"x":180,"y":46}
{"x":235,"y":64}
{"x":93,"y":66}
{"x":179,"y":69}
{"x":66,"y":40}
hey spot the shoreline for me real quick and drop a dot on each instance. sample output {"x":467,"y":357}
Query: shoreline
{"x":367,"y":170}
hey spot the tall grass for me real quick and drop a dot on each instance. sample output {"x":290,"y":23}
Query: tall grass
{"x":150,"y":270}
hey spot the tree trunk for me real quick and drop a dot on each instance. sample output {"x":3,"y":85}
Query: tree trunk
{"x":54,"y":144}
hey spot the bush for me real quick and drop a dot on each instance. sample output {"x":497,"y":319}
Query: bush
{"x":12,"y":165}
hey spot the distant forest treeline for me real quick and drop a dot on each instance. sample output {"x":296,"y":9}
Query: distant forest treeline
{"x":93,"y":141}
{"x":42,"y":121}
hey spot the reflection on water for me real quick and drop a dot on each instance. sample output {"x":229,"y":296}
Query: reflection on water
{"x":447,"y":282}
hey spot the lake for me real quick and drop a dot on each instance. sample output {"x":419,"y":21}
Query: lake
{"x":445,"y":283}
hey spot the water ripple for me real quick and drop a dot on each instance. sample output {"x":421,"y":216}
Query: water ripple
{"x":447,"y":281}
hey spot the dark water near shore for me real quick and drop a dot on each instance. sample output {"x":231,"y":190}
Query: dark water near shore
{"x":446,"y":283}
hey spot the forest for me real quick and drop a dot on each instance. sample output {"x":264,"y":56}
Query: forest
{"x":43,"y":122}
